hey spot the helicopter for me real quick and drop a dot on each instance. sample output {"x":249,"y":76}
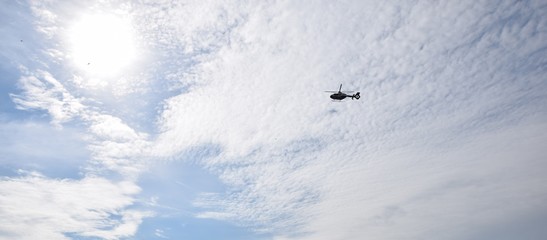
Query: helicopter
{"x":341,"y":95}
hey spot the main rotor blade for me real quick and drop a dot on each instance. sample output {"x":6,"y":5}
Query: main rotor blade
{"x":332,"y":91}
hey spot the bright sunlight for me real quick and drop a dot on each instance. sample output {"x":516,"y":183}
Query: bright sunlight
{"x":102,"y":45}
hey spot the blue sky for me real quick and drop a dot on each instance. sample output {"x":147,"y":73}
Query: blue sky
{"x":209,"y":120}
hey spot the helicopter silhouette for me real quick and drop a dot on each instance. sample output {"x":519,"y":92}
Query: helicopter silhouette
{"x":341,"y":95}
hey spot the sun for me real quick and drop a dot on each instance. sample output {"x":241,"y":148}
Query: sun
{"x":102,"y":45}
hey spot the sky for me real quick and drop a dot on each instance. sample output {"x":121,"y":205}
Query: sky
{"x":209,"y":119}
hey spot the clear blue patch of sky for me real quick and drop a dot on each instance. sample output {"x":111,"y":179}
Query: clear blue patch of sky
{"x":195,"y":229}
{"x":17,"y":47}
{"x":8,"y":86}
{"x":175,"y":184}
{"x":18,"y":35}
{"x":76,"y":236}
{"x":58,"y":153}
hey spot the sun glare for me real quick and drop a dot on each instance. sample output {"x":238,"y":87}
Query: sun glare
{"x":102,"y":45}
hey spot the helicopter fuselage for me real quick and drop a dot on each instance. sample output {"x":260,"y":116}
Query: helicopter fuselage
{"x":339,"y":96}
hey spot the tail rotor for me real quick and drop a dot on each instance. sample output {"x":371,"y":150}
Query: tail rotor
{"x":357,"y":95}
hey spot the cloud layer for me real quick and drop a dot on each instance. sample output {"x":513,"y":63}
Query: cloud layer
{"x":436,"y":80}
{"x":445,"y":142}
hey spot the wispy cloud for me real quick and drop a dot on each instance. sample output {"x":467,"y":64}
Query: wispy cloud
{"x":113,"y":143}
{"x":43,"y":92}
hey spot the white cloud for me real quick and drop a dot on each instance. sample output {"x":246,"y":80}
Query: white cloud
{"x":46,"y":19}
{"x":43,"y":92}
{"x":432,"y":77}
{"x":421,"y":191}
{"x":54,"y":207}
{"x":188,"y":27}
{"x":160,"y":234}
